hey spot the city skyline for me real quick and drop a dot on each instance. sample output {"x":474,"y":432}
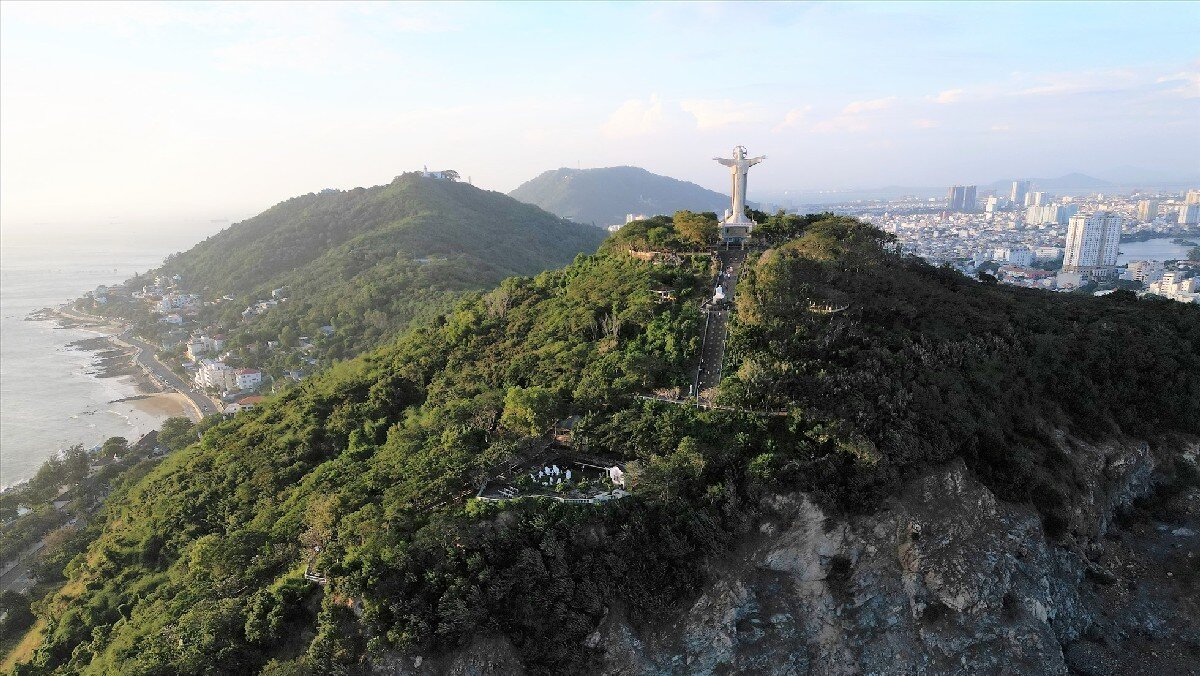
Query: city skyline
{"x":148,"y":111}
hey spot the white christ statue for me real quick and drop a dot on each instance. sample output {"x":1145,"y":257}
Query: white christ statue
{"x":738,"y":167}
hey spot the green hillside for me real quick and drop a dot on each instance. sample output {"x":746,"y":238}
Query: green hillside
{"x":604,"y":196}
{"x":368,"y":260}
{"x":198,"y":567}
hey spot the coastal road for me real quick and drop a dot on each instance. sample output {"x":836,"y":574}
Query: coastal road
{"x":15,"y":575}
{"x":146,"y":359}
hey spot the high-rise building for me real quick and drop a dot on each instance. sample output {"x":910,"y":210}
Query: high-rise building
{"x":1092,"y":242}
{"x":1061,"y":213}
{"x":1147,"y":210}
{"x":1037,"y":199}
{"x":960,"y":198}
{"x":1017,"y":195}
{"x":954,"y":198}
{"x":1189,"y":214}
{"x":1193,"y":197}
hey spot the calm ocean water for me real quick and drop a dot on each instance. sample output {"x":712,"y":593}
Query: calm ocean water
{"x":48,"y":399}
{"x":1152,"y":250}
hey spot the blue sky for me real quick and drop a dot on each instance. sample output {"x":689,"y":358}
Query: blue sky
{"x":149,"y":112}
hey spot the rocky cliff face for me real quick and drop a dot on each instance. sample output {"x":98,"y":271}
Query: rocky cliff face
{"x":946,"y":579}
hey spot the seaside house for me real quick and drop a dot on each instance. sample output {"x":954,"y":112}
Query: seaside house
{"x":215,"y":375}
{"x":243,"y":404}
{"x":247,"y":379}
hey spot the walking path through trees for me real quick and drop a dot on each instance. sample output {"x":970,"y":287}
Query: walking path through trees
{"x":716,"y":326}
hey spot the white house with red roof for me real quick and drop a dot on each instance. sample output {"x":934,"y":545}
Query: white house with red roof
{"x":248,"y":379}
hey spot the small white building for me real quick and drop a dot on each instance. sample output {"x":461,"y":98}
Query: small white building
{"x":1176,"y":286}
{"x":248,"y":379}
{"x":196,"y":347}
{"x":1146,"y":272}
{"x":244,"y":404}
{"x":215,"y":375}
{"x":1048,"y":253}
{"x":1019,"y":255}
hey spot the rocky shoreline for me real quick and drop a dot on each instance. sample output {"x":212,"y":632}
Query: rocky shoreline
{"x":114,"y":359}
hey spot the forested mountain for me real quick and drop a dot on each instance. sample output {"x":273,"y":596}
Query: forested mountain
{"x":604,"y":196}
{"x":853,"y":372}
{"x":368,"y":260}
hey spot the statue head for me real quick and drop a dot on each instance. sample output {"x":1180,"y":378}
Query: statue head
{"x":739,"y":152}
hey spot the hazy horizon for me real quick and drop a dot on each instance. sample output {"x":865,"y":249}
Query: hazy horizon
{"x":149,"y":113}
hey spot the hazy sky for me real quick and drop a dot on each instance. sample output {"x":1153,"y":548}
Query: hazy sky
{"x":141,"y":112}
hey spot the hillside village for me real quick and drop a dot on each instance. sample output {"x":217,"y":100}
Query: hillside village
{"x":233,"y":373}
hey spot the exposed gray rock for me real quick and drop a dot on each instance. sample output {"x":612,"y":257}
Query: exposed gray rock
{"x":945,"y":579}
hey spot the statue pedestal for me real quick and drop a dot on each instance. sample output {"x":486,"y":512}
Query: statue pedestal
{"x":736,"y":227}
{"x":736,"y":231}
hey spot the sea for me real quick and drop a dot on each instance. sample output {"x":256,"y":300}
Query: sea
{"x":49,"y":398}
{"x":1161,"y":249}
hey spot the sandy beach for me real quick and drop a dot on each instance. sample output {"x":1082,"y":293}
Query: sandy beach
{"x":164,"y":404}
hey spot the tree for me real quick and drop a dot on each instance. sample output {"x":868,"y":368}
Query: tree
{"x":695,"y":228}
{"x":75,"y":463}
{"x":177,"y":433}
{"x":529,"y":410}
{"x":14,"y":609}
{"x":782,"y":227}
{"x":115,"y":447}
{"x":288,"y":337}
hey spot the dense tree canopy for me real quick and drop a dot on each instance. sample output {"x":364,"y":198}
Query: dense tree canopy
{"x":879,"y":364}
{"x":366,"y":261}
{"x":924,"y":364}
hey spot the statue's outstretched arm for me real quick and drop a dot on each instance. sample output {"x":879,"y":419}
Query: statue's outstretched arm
{"x":755,"y":160}
{"x":724,"y":160}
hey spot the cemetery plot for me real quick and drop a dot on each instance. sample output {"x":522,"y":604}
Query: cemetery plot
{"x":562,"y":478}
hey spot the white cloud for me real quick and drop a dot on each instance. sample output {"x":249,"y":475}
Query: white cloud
{"x":856,"y":107}
{"x":714,"y":113}
{"x":925,"y":123}
{"x":949,"y":96}
{"x":635,"y":118}
{"x":794,"y":118}
{"x":1000,"y":127}
{"x":1188,"y":83}
{"x":841,"y":123}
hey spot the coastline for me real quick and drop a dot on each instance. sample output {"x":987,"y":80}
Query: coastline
{"x":161,"y":404}
{"x":119,"y":401}
{"x":127,"y":359}
{"x":54,"y":392}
